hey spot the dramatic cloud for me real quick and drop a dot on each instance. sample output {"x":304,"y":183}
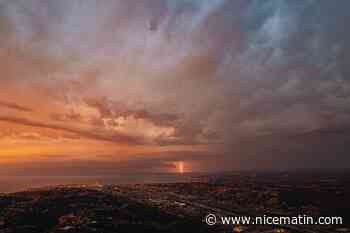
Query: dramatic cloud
{"x":14,"y":106}
{"x":120,"y":138}
{"x":228,"y":76}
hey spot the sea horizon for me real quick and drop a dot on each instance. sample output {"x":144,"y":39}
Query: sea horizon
{"x":18,"y":183}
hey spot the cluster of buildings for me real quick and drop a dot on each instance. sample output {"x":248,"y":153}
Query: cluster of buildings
{"x":177,"y":207}
{"x":251,"y":195}
{"x":74,"y":209}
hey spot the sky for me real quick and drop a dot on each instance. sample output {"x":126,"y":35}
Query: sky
{"x":93,"y":87}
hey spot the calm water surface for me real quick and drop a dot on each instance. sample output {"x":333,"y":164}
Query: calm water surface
{"x":19,"y":183}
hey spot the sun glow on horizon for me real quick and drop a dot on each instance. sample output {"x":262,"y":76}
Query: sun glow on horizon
{"x":181,"y":167}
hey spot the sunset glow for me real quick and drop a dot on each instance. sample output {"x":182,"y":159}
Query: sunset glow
{"x":181,"y":167}
{"x":130,"y":86}
{"x":147,"y":115}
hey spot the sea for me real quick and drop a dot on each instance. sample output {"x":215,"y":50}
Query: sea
{"x":10,"y":184}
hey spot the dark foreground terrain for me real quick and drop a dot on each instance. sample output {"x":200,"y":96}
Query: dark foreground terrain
{"x":85,"y":210}
{"x":181,"y":207}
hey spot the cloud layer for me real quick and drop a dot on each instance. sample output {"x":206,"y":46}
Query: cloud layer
{"x":230,"y":76}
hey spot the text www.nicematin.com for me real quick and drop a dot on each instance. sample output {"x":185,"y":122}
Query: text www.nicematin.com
{"x":212,"y":219}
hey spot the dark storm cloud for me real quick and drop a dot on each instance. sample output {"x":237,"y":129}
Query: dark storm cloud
{"x":217,"y":71}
